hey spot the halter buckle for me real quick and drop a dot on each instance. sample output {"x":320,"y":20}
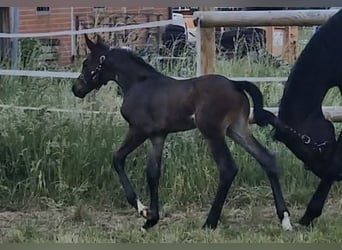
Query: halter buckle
{"x":102,"y":58}
{"x":305,"y":139}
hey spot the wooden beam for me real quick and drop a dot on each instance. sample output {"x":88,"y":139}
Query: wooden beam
{"x":205,"y":46}
{"x":262,"y":18}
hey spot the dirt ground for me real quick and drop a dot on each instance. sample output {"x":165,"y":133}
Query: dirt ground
{"x":88,"y":224}
{"x":53,"y":220}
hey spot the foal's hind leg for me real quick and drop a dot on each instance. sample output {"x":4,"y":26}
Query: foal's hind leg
{"x":215,"y":135}
{"x":153,"y":175}
{"x":239,"y":133}
{"x":134,"y":139}
{"x":227,"y":172}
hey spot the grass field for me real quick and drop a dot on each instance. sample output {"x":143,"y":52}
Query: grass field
{"x":57,"y":184}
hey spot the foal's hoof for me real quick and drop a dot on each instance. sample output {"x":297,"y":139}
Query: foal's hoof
{"x":145,"y":213}
{"x":286,"y":223}
{"x":142,"y":210}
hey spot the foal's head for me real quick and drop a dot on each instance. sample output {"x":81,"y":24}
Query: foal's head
{"x":90,"y":77}
{"x":104,"y":64}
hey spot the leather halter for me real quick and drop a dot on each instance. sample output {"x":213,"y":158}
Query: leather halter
{"x":306,"y":139}
{"x":95,"y":72}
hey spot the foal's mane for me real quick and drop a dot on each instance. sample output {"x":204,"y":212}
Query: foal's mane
{"x":136,"y":58}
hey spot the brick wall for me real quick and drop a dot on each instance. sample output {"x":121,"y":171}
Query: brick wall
{"x":87,"y":18}
{"x":59,"y":19}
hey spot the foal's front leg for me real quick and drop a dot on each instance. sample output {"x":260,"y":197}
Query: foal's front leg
{"x":134,"y":138}
{"x":153,"y":175}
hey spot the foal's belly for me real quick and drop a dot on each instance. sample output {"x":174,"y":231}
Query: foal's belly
{"x":172,"y":125}
{"x":150,"y":122}
{"x":183,"y":125}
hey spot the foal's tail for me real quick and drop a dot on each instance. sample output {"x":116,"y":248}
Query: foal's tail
{"x":261,"y":116}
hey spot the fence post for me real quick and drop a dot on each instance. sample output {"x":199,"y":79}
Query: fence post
{"x":14,"y":41}
{"x":205,"y":47}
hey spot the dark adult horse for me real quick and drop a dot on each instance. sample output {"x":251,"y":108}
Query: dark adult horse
{"x":302,"y":126}
{"x":155,"y":105}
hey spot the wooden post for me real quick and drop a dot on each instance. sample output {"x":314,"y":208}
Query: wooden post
{"x":15,"y":41}
{"x":205,"y":47}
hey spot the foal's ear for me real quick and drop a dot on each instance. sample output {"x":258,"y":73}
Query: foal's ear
{"x":98,"y":39}
{"x":89,"y":43}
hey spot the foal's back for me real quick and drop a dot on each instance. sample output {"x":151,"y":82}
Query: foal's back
{"x":165,"y":104}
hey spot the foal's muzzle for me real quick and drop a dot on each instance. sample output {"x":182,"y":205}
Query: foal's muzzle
{"x":77,"y":93}
{"x":80,"y":89}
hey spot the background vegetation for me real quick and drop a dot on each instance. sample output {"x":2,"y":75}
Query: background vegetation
{"x":57,"y":183}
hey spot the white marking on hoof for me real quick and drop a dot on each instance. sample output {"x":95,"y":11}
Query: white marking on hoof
{"x":142,"y":210}
{"x":126,"y":48}
{"x":286,"y":222}
{"x":192,"y":117}
{"x":143,"y":230}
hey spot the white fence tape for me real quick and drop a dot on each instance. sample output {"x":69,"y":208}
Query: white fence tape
{"x":32,"y":73}
{"x":333,"y":113}
{"x":74,"y":75}
{"x":55,"y":110}
{"x":87,"y":31}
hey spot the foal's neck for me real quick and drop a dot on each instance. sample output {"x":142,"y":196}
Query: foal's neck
{"x":135,"y":72}
{"x":128,"y":78}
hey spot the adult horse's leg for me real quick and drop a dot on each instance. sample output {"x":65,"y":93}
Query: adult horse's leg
{"x":227,"y":172}
{"x":134,"y":138}
{"x":153,"y":175}
{"x":240,"y":134}
{"x":316,"y":204}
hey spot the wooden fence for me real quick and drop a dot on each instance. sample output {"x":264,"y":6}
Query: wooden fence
{"x":207,"y":20}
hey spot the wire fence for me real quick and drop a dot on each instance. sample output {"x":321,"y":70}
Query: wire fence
{"x":333,"y":113}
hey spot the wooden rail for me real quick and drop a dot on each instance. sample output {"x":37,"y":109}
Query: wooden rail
{"x":262,"y":18}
